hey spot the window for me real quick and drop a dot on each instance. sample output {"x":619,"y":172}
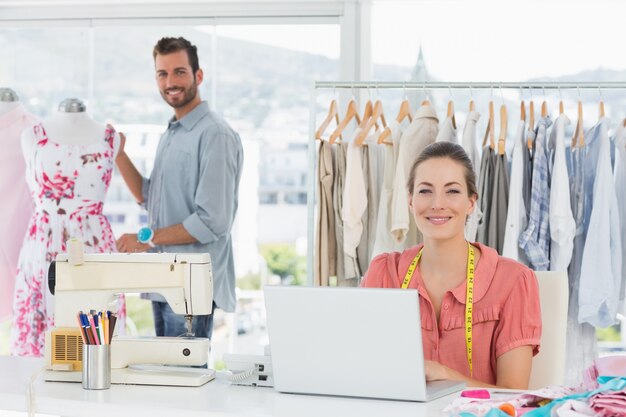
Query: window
{"x":257,"y":76}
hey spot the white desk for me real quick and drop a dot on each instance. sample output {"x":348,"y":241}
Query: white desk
{"x":217,"y":398}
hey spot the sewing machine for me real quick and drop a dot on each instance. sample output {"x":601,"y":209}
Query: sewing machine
{"x":92,"y":281}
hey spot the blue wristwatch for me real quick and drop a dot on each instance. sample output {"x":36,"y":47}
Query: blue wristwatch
{"x":145,"y":235}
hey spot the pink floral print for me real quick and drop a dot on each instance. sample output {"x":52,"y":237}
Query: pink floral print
{"x":68,"y":184}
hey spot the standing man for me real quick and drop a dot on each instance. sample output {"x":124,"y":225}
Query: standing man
{"x":192,"y":193}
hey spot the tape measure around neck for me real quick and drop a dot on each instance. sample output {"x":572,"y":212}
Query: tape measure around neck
{"x":469,"y":296}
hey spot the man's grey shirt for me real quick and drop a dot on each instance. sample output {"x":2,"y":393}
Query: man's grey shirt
{"x":195,"y":181}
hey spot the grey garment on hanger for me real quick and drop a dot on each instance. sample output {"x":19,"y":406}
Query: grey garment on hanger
{"x":528,"y":171}
{"x":582,"y":347}
{"x":499,"y":203}
{"x":485,"y":191}
{"x":347,"y":266}
{"x":325,"y":242}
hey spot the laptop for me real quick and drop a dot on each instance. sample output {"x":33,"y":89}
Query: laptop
{"x":356,"y":342}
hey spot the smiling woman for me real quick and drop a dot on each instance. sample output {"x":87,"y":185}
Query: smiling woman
{"x":481,"y":320}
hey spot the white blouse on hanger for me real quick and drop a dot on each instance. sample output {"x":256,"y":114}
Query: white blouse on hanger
{"x":469,"y":144}
{"x":562,"y":224}
{"x":516,"y":219}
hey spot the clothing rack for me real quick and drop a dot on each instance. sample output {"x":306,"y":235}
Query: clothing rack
{"x":411,"y":85}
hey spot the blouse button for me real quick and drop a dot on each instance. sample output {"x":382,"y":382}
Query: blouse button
{"x":445,"y":306}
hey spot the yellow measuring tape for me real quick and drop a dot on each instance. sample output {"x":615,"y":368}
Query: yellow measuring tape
{"x":469,"y":296}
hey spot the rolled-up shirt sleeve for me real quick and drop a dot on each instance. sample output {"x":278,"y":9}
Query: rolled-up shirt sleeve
{"x":216,"y":196}
{"x":145,"y":191}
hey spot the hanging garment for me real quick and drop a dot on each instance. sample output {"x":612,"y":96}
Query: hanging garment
{"x":376,"y":168}
{"x":420,"y":133}
{"x":499,"y":202}
{"x":581,"y":344}
{"x":362,"y":249}
{"x":485,"y":191}
{"x":447,"y":132}
{"x":68,"y":184}
{"x":562,"y":224}
{"x":516,"y":220}
{"x":17,"y":204}
{"x":535,"y":240}
{"x":469,"y":144}
{"x":325,"y":250}
{"x":347,"y":266}
{"x":619,"y":176}
{"x":600,"y":272}
{"x":528,"y":171}
{"x":385,"y":241}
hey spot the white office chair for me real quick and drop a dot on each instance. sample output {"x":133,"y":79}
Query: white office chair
{"x":549,"y":364}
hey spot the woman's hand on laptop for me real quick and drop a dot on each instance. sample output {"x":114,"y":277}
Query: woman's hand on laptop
{"x":436,"y":371}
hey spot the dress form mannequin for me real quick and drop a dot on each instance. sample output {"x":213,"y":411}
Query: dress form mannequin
{"x":9,"y":100}
{"x":17,"y":205}
{"x":69,"y":164}
{"x":72,"y":125}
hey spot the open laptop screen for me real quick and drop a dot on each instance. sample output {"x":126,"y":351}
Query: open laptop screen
{"x":361,"y":342}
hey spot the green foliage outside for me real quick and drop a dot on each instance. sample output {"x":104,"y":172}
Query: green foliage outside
{"x":140,"y":312}
{"x":608,"y":334}
{"x":249,"y":282}
{"x":282,"y":260}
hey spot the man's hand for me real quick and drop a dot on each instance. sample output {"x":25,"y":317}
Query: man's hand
{"x":128,"y":243}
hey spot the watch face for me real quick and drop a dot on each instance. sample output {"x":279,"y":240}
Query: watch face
{"x":145,"y":235}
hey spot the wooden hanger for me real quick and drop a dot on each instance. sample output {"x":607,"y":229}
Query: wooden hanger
{"x":601,"y":110}
{"x":472,"y":106}
{"x":503,"y":126}
{"x":578,"y":140}
{"x":352,"y":112}
{"x":450,"y":113}
{"x":561,"y":107}
{"x":405,"y":111}
{"x":522,"y":111}
{"x":490,"y":129}
{"x":544,"y":109}
{"x":332,"y":113}
{"x":366,"y":124}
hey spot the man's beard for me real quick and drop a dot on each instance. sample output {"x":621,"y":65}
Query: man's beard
{"x":188,"y":95}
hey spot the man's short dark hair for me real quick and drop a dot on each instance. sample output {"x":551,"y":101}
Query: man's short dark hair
{"x":170,"y":45}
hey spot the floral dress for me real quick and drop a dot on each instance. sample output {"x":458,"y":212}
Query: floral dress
{"x":68,"y":184}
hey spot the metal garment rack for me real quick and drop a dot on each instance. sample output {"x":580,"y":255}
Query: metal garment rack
{"x":410,"y":85}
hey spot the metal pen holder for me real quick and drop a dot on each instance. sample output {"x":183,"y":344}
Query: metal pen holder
{"x":96,"y":366}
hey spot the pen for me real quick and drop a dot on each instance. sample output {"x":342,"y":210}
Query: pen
{"x":81,"y":328}
{"x":94,"y":331}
